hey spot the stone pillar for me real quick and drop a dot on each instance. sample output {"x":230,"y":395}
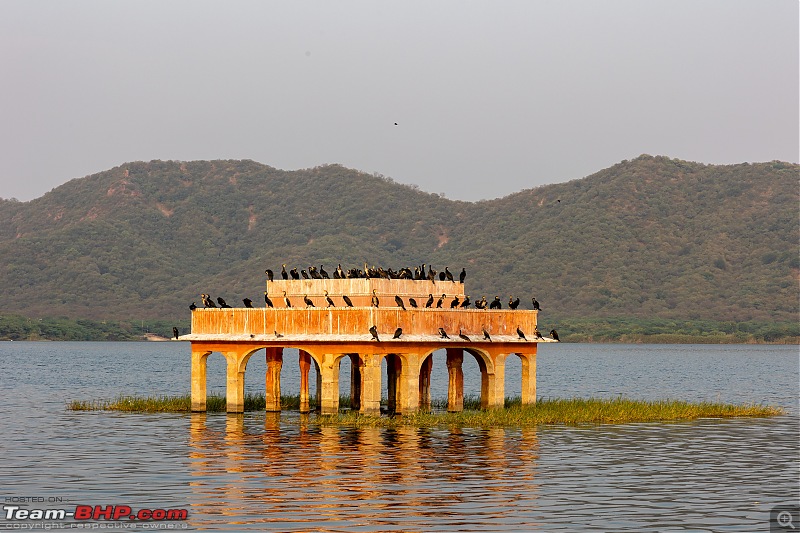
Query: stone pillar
{"x":319,"y":384}
{"x":305,"y":366}
{"x":408,"y":383}
{"x":492,"y":380}
{"x":274,"y":357}
{"x":425,"y":383}
{"x":235,"y":384}
{"x":528,"y":377}
{"x":355,"y":381}
{"x":370,"y":384}
{"x":455,"y":380}
{"x":329,"y":387}
{"x":199,"y":371}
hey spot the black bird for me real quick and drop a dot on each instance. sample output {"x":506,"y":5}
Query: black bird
{"x":464,"y":337}
{"x":328,"y":299}
{"x":454,"y":303}
{"x":286,"y":300}
{"x":399,"y":302}
{"x":323,"y":273}
{"x":440,"y":301}
{"x":294,"y":273}
{"x":447,"y":274}
{"x":248,"y":302}
{"x":267,"y":300}
{"x":374,"y":332}
{"x":284,"y":274}
{"x":554,"y":335}
{"x":339,"y":271}
{"x":535,"y":304}
{"x":465,"y":303}
{"x":521,"y":335}
{"x":486,"y":335}
{"x":537,"y":334}
{"x":397,"y":333}
{"x":481,"y":304}
{"x":278,"y":335}
{"x":430,"y":301}
{"x":175,"y":333}
{"x":192,"y":306}
{"x":375,"y":300}
{"x":413,"y":302}
{"x":304,"y":274}
{"x":496,"y":303}
{"x":312,"y":271}
{"x":308,"y":301}
{"x":463,"y":275}
{"x":512,"y":303}
{"x":270,"y":275}
{"x":347,"y":300}
{"x":441,"y":276}
{"x":221,"y":302}
{"x":443,"y":333}
{"x":207,"y":301}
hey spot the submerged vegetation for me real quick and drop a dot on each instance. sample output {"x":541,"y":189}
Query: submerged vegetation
{"x":545,"y":411}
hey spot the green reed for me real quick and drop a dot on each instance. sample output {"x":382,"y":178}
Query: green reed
{"x":545,"y":411}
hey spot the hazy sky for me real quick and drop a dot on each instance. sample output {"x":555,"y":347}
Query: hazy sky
{"x":489,"y":97}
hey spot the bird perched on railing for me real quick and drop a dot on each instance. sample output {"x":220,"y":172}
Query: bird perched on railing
{"x":207,"y":301}
{"x":454,"y":303}
{"x":399,"y":302}
{"x":397,"y":333}
{"x":496,"y":303}
{"x":375,"y":300}
{"x":440,"y":301}
{"x":248,"y":302}
{"x":430,"y":301}
{"x":537,"y":334}
{"x":267,"y":300}
{"x":521,"y":334}
{"x":192,"y":306}
{"x":481,"y":304}
{"x":329,"y":300}
{"x":462,"y":336}
{"x":270,"y":275}
{"x":286,"y":300}
{"x":554,"y":335}
{"x":284,"y":274}
{"x":413,"y":302}
{"x":486,"y":335}
{"x":512,"y":303}
{"x":448,"y":275}
{"x":323,"y":273}
{"x":374,"y":332}
{"x":222,"y":303}
{"x":443,"y":333}
{"x":293,"y":272}
{"x":535,"y":304}
{"x":465,"y":303}
{"x":308,"y":301}
{"x":347,"y":300}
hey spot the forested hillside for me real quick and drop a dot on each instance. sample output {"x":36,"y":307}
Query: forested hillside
{"x":648,"y":238}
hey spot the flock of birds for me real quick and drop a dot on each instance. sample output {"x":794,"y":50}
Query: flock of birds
{"x":419,"y":273}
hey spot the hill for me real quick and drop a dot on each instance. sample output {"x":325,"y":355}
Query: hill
{"x":651,"y":238}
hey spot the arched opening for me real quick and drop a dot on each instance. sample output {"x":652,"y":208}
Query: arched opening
{"x":391,"y":371}
{"x":512,"y":382}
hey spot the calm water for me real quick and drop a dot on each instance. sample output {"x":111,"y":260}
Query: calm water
{"x":280,"y":473}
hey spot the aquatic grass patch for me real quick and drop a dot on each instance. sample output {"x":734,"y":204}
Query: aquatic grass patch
{"x":546,"y":411}
{"x":562,"y":412}
{"x":183,"y":403}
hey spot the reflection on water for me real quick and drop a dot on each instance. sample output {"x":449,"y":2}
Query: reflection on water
{"x":283,"y":472}
{"x":301,"y":477}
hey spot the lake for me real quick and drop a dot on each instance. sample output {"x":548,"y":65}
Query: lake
{"x":281,"y":472}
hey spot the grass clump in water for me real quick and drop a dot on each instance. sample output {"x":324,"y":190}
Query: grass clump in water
{"x":548,"y":411}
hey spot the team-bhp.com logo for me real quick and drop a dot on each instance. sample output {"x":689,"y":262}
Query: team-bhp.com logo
{"x":94,"y":512}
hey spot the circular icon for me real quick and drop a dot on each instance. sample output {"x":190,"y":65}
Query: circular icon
{"x":784,"y":519}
